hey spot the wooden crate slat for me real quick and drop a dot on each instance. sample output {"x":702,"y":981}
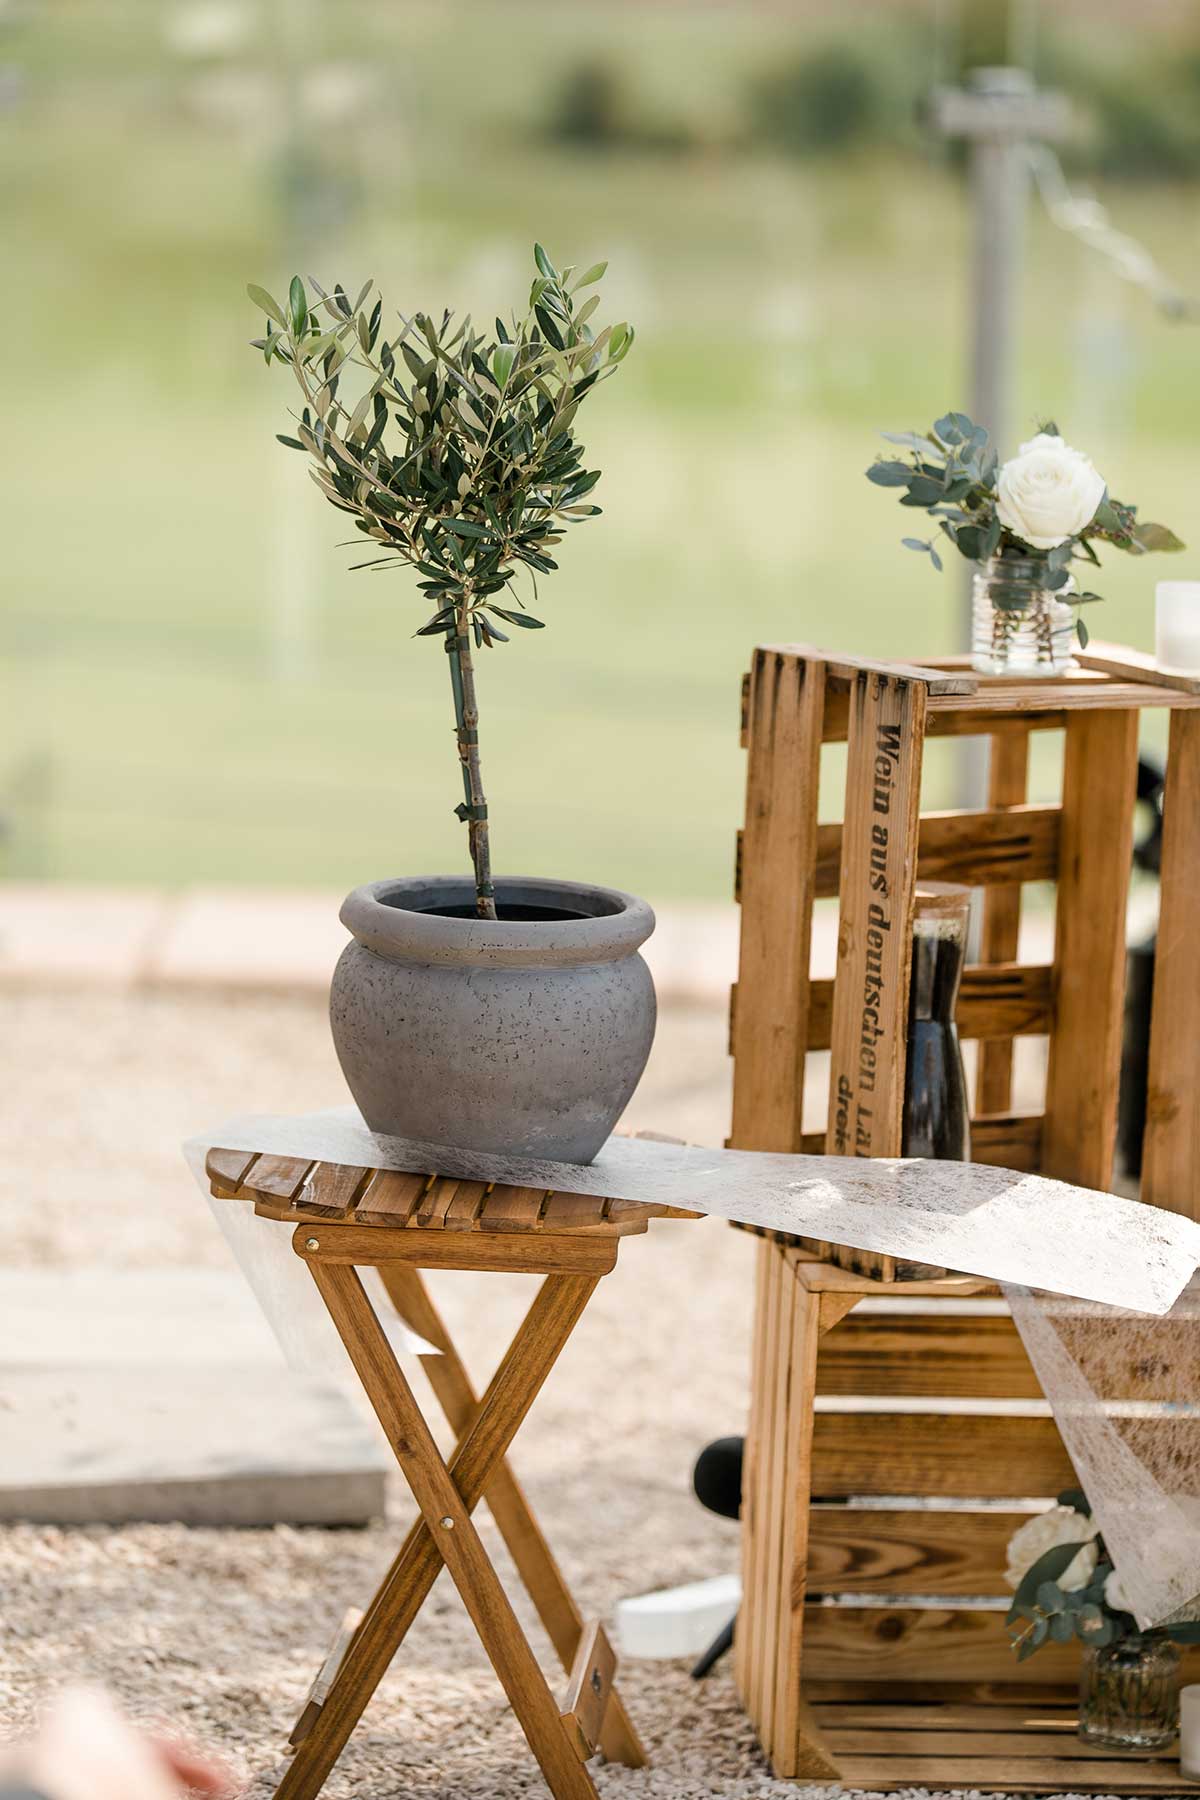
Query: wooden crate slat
{"x":994,"y":724}
{"x":923,"y":1643}
{"x":766,"y":1605}
{"x":875,"y":903}
{"x":951,"y":1454}
{"x":1007,"y":1140}
{"x":1005,"y":1000}
{"x":932,"y":1351}
{"x":1135,"y":665}
{"x":1099,"y":784}
{"x":827,"y":1278}
{"x":937,"y":679}
{"x":982,"y":849}
{"x":769,"y":1032}
{"x":1171,"y":1150}
{"x":925,"y":1550}
{"x":803,"y":1331}
{"x":948,"y":1714}
{"x":1000,"y":922}
{"x":1030,"y":1692}
{"x":1003,"y":1140}
{"x":745,"y":1637}
{"x":960,"y":716}
{"x":913,"y":1741}
{"x":1015,"y":1775}
{"x":279,"y":1177}
{"x":835,"y":719}
{"x":1075,"y":696}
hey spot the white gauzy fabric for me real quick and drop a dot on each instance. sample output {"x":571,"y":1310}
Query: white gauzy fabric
{"x":1137,"y":1458}
{"x":1132,"y":1263}
{"x":990,"y":1222}
{"x":286,"y":1292}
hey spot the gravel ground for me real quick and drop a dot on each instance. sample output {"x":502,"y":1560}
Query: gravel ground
{"x":219,"y":1632}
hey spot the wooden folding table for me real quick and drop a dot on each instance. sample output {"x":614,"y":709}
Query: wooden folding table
{"x":347,"y":1217}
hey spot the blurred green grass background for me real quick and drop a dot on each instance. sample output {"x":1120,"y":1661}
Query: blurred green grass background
{"x":196,"y":688}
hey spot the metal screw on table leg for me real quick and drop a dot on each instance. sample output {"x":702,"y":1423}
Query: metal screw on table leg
{"x":448,"y":1523}
{"x":312,"y":1243}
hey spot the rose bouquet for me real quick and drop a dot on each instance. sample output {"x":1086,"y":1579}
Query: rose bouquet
{"x":1066,"y":1585}
{"x":1023,"y":522}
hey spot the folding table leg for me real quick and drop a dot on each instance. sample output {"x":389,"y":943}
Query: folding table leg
{"x":544,"y":1580}
{"x":559,"y":1304}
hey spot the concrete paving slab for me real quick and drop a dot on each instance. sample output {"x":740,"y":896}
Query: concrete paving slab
{"x":162,"y":1394}
{"x":115,"y":1318}
{"x":225,"y":1446}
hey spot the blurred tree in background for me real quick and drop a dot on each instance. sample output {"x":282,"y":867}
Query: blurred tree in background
{"x":195,"y":689}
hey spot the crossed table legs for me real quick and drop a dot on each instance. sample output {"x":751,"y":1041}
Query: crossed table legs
{"x":447,"y":1493}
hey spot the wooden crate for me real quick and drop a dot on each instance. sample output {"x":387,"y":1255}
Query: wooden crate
{"x":897,"y":1432}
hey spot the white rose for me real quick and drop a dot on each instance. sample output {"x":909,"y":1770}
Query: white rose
{"x":1061,"y":1525}
{"x":1048,"y":492}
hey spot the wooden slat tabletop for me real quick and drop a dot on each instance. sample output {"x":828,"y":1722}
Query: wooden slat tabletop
{"x":294,"y":1188}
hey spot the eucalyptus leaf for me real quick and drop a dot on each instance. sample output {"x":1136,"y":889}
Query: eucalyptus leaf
{"x":948,"y":428}
{"x":889,"y":474}
{"x":922,"y":491}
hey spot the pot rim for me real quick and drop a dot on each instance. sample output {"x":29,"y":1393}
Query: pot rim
{"x":391,"y":918}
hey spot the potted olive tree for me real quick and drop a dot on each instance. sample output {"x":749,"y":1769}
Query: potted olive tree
{"x":494,"y":1013}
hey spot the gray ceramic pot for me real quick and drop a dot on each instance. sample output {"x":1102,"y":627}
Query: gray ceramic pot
{"x":527,"y":1034}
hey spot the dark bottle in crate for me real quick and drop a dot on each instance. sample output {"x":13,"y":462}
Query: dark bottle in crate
{"x":936,"y":1116}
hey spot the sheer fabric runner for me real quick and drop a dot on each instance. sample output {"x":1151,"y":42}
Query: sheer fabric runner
{"x":1135,"y":1458}
{"x":984,"y":1221}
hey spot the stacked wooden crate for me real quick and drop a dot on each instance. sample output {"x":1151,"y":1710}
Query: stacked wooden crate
{"x":898,"y":1434}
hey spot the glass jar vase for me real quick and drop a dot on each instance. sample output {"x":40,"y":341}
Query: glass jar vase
{"x":1129,"y":1694}
{"x":1019,"y":626}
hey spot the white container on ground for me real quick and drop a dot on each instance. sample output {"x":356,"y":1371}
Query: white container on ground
{"x":681,"y":1621}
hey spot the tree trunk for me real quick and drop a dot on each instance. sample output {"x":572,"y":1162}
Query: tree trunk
{"x":474,"y":807}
